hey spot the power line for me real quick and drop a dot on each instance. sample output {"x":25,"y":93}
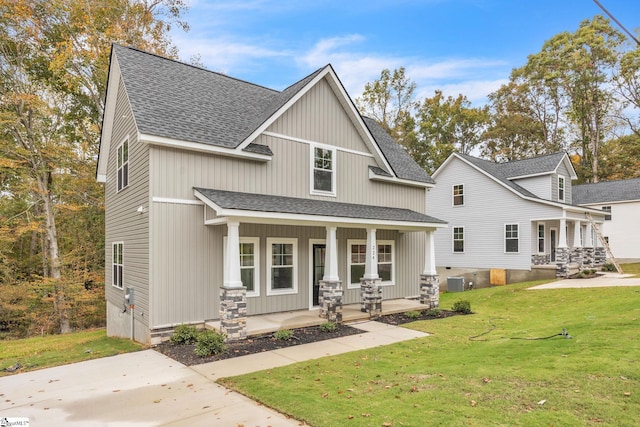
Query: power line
{"x":617,"y":22}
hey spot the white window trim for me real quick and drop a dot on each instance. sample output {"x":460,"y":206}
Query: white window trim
{"x":127,"y":141}
{"x":270,"y":242}
{"x":378,"y":243}
{"x":256,"y":262}
{"x":453,"y":239}
{"x":334,"y":163}
{"x":453,"y":196}
{"x":544,"y":238}
{"x":564,"y":188}
{"x":504,"y":237}
{"x":113,"y":263}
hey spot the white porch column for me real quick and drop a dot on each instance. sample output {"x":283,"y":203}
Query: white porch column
{"x":429,"y":255}
{"x":588,"y":238}
{"x":231,"y":273}
{"x":331,"y":257}
{"x":371,"y":261}
{"x":562,"y":234}
{"x":576,"y":234}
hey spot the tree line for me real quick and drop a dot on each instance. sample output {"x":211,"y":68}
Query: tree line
{"x":579,"y":93}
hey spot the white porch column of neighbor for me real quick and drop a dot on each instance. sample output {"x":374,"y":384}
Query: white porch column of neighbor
{"x":233,"y":296}
{"x":599,"y":253}
{"x":576,"y":251}
{"x":587,"y":250}
{"x":429,"y":281}
{"x":562,"y":251}
{"x":371,"y":283}
{"x":330,"y":298}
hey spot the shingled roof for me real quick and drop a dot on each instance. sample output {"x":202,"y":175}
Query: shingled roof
{"x":183,"y":102}
{"x":607,"y":192}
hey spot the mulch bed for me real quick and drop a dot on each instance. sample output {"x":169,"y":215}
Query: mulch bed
{"x":257,"y":344}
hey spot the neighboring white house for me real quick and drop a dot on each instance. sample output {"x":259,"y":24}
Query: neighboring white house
{"x":225,"y":199}
{"x":517,"y":216}
{"x":620,"y":200}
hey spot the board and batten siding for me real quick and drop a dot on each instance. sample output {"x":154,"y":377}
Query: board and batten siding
{"x":562,"y":170}
{"x":124,"y":224}
{"x":488,"y":206}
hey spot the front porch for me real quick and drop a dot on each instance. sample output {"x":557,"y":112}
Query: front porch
{"x":271,"y":322}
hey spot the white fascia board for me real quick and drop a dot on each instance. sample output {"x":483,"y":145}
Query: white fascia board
{"x":572,"y":170}
{"x":612,"y":202}
{"x":108,"y":118}
{"x":392,"y":180}
{"x":203,"y":148}
{"x":445,"y":163}
{"x":533,"y":175}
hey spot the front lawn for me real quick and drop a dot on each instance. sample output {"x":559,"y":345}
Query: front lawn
{"x":482,"y":369}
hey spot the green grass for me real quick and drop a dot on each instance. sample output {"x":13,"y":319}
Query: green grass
{"x":54,"y":350}
{"x":449,"y":380}
{"x":632,"y":269}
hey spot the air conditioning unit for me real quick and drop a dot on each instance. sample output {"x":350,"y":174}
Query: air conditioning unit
{"x":455,"y":284}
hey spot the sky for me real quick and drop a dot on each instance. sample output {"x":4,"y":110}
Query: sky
{"x":456,"y":46}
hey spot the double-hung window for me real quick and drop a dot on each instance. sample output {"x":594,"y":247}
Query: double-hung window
{"x":323,"y":179}
{"x":282,"y":266}
{"x":561,"y":188}
{"x":511,"y":239}
{"x":123,"y":165}
{"x":541,"y":238}
{"x":607,"y":215}
{"x":249,"y":265}
{"x":358,"y":256}
{"x":458,"y":239}
{"x":458,"y":195}
{"x":118,"y":265}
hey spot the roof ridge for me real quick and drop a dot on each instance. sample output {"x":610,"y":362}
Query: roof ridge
{"x":196,"y":67}
{"x":535,"y":157}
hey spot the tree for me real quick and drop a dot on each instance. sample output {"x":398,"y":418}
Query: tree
{"x":446,"y":125}
{"x":389,"y":100}
{"x":628,"y":87}
{"x":53,"y":72}
{"x":620,"y":158}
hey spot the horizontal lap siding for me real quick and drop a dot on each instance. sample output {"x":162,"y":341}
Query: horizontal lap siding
{"x":123,"y":222}
{"x":539,"y":185}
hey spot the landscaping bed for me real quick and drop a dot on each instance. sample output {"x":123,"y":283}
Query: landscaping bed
{"x":407,"y":317}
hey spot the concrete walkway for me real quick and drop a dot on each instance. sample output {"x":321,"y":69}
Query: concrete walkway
{"x":605,"y":280}
{"x":147,"y":388}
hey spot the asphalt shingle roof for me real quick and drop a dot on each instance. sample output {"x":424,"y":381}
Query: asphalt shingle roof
{"x":180,"y":101}
{"x":293,"y":205}
{"x":499,"y":171}
{"x":607,"y":191}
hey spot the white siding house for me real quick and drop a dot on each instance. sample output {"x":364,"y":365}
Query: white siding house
{"x":513,"y":216}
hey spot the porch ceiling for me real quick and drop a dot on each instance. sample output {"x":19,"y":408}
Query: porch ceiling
{"x":262,"y":208}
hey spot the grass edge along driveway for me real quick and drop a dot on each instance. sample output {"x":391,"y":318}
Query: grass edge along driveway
{"x":502,"y":377}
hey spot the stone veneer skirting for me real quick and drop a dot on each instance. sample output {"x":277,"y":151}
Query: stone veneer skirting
{"x":577,"y":257}
{"x":330,"y":301}
{"x":562,"y":262}
{"x":233,"y":313}
{"x":540,"y":259}
{"x":430,"y":290}
{"x":588,"y":258}
{"x":600,"y":256}
{"x":371,"y":296}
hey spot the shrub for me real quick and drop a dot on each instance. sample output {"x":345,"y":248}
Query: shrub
{"x":581,"y":275}
{"x":328,"y":327}
{"x":433,"y":312}
{"x":609,"y":267}
{"x":283,"y":334}
{"x":184,"y":334}
{"x":463,"y":307}
{"x":210,"y":342}
{"x":412,"y":314}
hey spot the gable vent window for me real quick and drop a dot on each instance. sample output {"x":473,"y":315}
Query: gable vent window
{"x":123,"y":165}
{"x":458,"y":195}
{"x":324,"y":172}
{"x":607,"y":215}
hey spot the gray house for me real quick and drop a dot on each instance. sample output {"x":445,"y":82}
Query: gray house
{"x":225,"y":199}
{"x":517,"y":216}
{"x":620,"y":200}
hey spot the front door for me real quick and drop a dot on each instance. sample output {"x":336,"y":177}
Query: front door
{"x":553,"y":245}
{"x":318,"y":269}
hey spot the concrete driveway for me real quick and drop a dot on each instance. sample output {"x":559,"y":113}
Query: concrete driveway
{"x":605,"y":280}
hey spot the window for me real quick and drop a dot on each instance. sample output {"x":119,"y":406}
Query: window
{"x":358,"y":256}
{"x":282,"y":266}
{"x":511,"y":238}
{"x":323,"y":179}
{"x":541,"y":238}
{"x":117,"y":265}
{"x":458,"y":239}
{"x":607,"y":216}
{"x":561,"y":188}
{"x":249,"y":264}
{"x":458,"y":195}
{"x":123,"y":165}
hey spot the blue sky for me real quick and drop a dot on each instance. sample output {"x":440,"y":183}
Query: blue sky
{"x":457,"y":46}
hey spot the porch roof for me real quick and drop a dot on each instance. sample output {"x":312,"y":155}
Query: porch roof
{"x":251,"y":207}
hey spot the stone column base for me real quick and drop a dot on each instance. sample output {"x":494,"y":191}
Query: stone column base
{"x":371,"y":296}
{"x":577,"y":257}
{"x":330,"y":301}
{"x":233,"y":313}
{"x":430,"y":290}
{"x":588,"y":257}
{"x":599,"y":256}
{"x":562,"y":262}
